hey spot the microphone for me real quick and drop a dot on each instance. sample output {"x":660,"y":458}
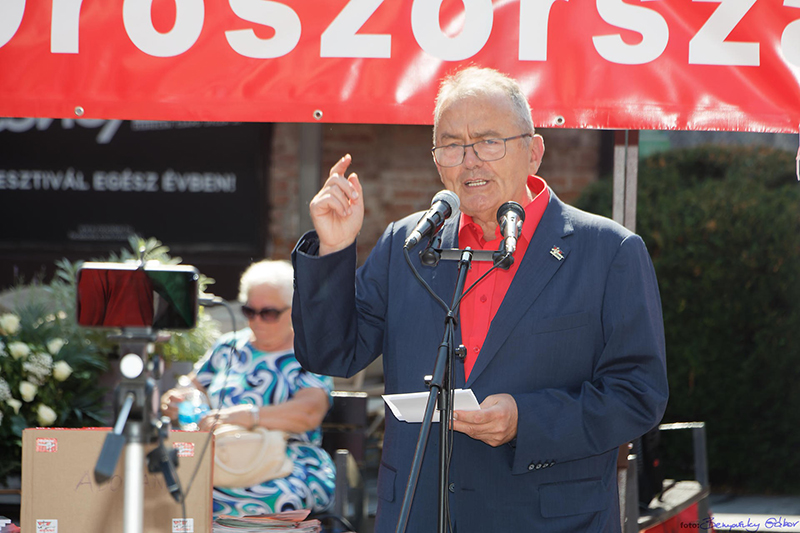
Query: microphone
{"x":510,"y":216}
{"x":444,"y":204}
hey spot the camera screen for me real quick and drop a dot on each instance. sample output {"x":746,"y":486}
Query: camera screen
{"x":119,"y":295}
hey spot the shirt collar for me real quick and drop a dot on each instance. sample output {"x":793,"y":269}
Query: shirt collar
{"x":533,"y":212}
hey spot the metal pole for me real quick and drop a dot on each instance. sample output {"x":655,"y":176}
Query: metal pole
{"x":618,"y":207}
{"x":134,"y":488}
{"x":310,"y":170}
{"x":626,"y":170}
{"x":632,"y":495}
{"x":700,"y":463}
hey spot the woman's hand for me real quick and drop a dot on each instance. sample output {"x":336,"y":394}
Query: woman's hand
{"x":239,"y":415}
{"x":170,"y":401}
{"x":173,"y":397}
{"x":303,"y":412}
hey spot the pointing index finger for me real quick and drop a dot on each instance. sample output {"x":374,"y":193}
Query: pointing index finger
{"x":338,"y":171}
{"x":340,"y":167}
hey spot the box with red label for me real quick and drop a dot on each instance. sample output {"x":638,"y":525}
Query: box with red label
{"x":60,"y":494}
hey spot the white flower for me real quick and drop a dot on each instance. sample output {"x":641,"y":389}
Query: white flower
{"x":9,"y":324}
{"x":18,"y":350}
{"x":38,"y":367}
{"x":5,"y":390}
{"x":54,"y":345}
{"x":27,"y":390}
{"x":61,"y":370}
{"x":15,"y":404}
{"x":45,"y":415}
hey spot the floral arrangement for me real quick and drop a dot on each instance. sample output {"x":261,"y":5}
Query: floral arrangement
{"x":48,"y":377}
{"x":50,"y":367}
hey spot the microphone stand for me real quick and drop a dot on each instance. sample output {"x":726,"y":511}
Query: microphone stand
{"x":441,"y":389}
{"x":440,"y":383}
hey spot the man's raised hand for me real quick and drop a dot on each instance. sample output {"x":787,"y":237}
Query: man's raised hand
{"x":337,"y":210}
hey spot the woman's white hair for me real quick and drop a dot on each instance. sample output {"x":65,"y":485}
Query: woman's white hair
{"x":479,"y":81}
{"x":278,"y":274}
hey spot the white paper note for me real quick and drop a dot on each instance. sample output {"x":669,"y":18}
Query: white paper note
{"x":410,"y":407}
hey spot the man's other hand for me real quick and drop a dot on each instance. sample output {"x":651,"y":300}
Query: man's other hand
{"x":495,"y":423}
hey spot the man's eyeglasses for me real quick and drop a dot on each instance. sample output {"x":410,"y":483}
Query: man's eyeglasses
{"x":267,"y":314}
{"x":452,"y":155}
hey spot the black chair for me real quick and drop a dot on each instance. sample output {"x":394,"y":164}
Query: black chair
{"x":344,"y":437}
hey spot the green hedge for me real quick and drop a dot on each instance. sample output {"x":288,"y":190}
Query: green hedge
{"x":722,"y":225}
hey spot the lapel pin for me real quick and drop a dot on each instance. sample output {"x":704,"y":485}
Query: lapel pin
{"x":556,"y":252}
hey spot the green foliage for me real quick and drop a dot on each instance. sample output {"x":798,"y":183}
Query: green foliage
{"x":723,"y":228}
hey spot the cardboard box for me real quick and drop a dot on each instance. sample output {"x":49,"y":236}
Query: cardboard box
{"x":60,"y":494}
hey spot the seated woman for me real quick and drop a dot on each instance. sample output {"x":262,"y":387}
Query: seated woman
{"x":266,"y":386}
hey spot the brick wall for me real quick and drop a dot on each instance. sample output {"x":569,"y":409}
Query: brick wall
{"x":282,"y":191}
{"x":397,"y":173}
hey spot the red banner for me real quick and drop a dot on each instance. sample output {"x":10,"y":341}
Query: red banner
{"x":667,"y":64}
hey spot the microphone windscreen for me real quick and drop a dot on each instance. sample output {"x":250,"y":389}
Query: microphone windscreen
{"x":510,"y":206}
{"x":448,"y":197}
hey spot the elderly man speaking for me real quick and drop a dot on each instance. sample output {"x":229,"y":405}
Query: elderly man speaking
{"x":565,"y":349}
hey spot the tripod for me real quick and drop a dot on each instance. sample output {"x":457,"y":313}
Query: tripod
{"x":137,"y":424}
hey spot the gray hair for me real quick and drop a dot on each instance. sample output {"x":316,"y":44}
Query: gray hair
{"x":475,"y":81}
{"x":278,"y":274}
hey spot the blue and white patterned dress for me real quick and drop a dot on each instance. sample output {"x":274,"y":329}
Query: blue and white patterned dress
{"x":266,"y":378}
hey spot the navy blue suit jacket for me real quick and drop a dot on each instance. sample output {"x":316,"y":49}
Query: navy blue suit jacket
{"x":578,"y":342}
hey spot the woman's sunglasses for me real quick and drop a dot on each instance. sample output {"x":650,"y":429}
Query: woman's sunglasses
{"x":267,"y":314}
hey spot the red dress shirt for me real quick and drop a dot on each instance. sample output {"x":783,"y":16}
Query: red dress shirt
{"x":481,"y":304}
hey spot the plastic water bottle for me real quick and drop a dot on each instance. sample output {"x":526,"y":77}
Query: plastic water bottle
{"x":192,"y":409}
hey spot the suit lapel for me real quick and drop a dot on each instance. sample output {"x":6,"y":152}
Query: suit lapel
{"x":536,"y":270}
